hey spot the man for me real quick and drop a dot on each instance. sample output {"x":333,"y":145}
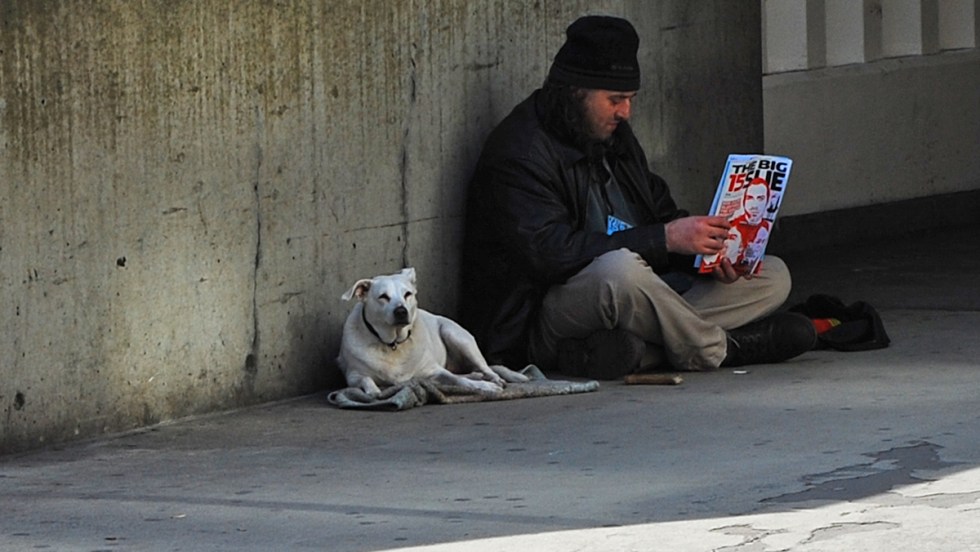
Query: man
{"x":576,"y":257}
{"x":751,"y":228}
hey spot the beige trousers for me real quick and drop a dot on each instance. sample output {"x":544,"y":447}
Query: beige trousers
{"x":619,"y":290}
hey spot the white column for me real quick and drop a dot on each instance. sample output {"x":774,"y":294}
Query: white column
{"x":958,"y":24}
{"x":794,"y":35}
{"x":909,"y":27}
{"x":853,"y":31}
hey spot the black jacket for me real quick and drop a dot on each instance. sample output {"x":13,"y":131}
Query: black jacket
{"x":525,"y":225}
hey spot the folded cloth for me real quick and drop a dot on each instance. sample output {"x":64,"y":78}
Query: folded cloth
{"x":417,"y":392}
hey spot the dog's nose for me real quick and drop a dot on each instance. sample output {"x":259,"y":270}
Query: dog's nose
{"x":401,"y":315}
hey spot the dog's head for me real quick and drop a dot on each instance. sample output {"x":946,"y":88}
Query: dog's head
{"x":388,"y":300}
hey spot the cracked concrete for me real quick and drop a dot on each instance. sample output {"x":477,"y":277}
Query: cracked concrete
{"x":871,"y":451}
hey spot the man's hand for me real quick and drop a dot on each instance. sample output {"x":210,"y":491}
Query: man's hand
{"x":725,"y":272}
{"x":696,"y":235}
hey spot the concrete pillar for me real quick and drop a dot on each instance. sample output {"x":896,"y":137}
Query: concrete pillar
{"x":853,"y":31}
{"x":958,"y":24}
{"x":702,"y":90}
{"x":795,"y":35}
{"x":909,"y":27}
{"x":187,"y":188}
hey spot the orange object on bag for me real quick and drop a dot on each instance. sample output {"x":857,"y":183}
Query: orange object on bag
{"x":824,"y":324}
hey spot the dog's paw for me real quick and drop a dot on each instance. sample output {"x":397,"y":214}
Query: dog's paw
{"x":508,"y":375}
{"x":369,"y":388}
{"x":486,"y":386}
{"x":479,"y":375}
{"x":492,"y":376}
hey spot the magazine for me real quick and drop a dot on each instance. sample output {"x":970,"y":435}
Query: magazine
{"x":749,"y":194}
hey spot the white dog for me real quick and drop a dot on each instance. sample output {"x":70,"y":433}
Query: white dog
{"x":388,"y":340}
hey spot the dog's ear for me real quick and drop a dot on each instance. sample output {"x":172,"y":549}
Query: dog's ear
{"x":410,"y":274}
{"x":359,"y":290}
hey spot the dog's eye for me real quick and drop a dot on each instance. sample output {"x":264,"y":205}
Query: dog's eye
{"x":384,"y":298}
{"x":408,"y":294}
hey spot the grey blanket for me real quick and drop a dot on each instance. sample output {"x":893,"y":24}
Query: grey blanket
{"x":418,"y":392}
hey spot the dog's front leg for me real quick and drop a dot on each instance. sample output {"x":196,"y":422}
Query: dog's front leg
{"x":364,"y":383}
{"x":505,"y":374}
{"x":462,"y":346}
{"x":509,"y":375}
{"x":468,"y":381}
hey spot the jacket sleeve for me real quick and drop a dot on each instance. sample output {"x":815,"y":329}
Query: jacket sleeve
{"x":656,"y":195}
{"x":534,"y":210}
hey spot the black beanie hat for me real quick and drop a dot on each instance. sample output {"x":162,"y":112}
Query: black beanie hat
{"x":599,"y":53}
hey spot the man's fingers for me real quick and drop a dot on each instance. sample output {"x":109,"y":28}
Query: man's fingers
{"x":700,"y":235}
{"x":725,"y":272}
{"x":712,"y":246}
{"x":718,"y":222}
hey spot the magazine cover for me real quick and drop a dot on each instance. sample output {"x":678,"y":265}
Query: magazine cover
{"x":749,"y":194}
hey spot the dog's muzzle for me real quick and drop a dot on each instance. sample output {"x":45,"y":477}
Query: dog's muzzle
{"x":401,"y":315}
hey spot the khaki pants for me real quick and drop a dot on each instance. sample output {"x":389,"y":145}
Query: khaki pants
{"x":619,"y":290}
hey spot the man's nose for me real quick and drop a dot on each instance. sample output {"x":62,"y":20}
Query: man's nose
{"x":625,"y":110}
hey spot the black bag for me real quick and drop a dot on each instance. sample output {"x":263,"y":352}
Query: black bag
{"x":860,"y":327}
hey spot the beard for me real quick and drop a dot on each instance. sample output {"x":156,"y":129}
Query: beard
{"x":565,"y":114}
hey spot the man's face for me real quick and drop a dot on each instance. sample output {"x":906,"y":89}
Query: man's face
{"x":754,"y":202}
{"x":604,"y":110}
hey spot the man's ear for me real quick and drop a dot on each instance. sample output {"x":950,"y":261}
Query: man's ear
{"x":359,"y":290}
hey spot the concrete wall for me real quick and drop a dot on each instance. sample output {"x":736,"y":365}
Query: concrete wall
{"x":188,"y":187}
{"x":865,"y":134}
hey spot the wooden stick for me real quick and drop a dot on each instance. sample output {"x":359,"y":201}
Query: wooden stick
{"x":653,"y":379}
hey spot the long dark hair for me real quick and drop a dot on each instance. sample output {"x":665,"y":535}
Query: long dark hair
{"x":563,"y":112}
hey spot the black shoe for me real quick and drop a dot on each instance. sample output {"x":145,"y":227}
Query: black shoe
{"x":779,"y":337}
{"x":604,"y":355}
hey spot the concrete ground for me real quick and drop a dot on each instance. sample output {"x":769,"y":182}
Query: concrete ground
{"x":875,"y":450}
